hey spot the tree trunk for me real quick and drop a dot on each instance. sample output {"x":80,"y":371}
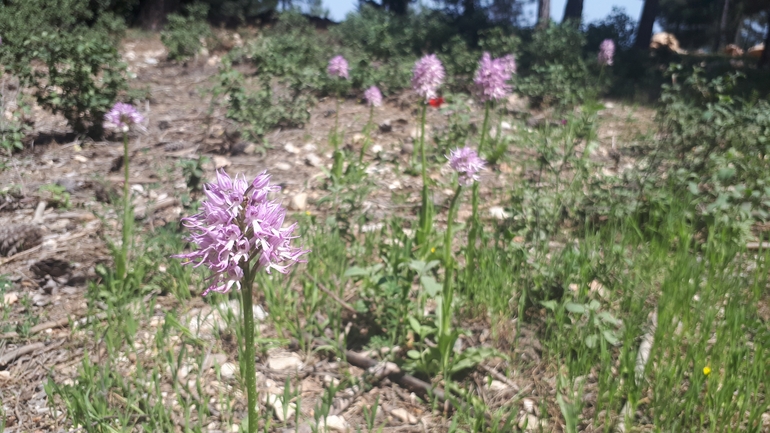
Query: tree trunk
{"x":722,"y":36}
{"x":764,"y":60}
{"x":646,"y":22}
{"x":543,"y":13}
{"x":469,"y":7}
{"x":152,"y":13}
{"x":397,"y":7}
{"x":573,"y":11}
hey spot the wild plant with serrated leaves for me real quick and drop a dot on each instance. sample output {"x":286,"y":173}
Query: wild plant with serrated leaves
{"x":715,"y":144}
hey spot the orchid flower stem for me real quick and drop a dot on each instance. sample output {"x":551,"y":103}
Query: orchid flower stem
{"x":368,"y":134}
{"x":426,"y":210}
{"x":473,"y":233}
{"x":247,"y":309}
{"x":338,"y":157}
{"x":422,"y":145}
{"x":446,"y":342}
{"x":128,"y":217}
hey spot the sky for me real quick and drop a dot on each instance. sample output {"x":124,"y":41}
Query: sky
{"x":592,"y":10}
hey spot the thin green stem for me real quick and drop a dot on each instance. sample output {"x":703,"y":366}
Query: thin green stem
{"x":426,"y":210}
{"x":336,"y":122}
{"x":338,"y":157}
{"x":447,"y":293}
{"x":122,"y":265}
{"x":367,"y":135}
{"x":473,"y":233}
{"x":422,"y":145}
{"x":249,"y":352}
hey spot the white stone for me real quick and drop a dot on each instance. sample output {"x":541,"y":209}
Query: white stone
{"x":214,"y":359}
{"x":497,"y":385}
{"x":358,"y":138}
{"x":529,"y":422}
{"x":299,"y":201}
{"x":529,"y":405}
{"x":221,"y":162}
{"x":151,"y":60}
{"x":227,"y":370}
{"x":404,"y":416}
{"x":309,"y":147}
{"x":289,"y":147}
{"x":182,"y":373}
{"x":275,"y":402}
{"x":10,"y":298}
{"x":376,"y":149}
{"x":335,"y":423}
{"x":505,"y":125}
{"x":282,"y":166}
{"x":285,"y":362}
{"x":313,"y":160}
{"x":498,"y":212}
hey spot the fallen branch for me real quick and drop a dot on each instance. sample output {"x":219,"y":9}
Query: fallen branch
{"x":143,"y":211}
{"x":413,"y":384}
{"x":339,"y":300}
{"x":20,"y":255}
{"x":38,"y":328}
{"x":757,"y":246}
{"x":24,"y":350}
{"x":64,"y":321}
{"x":501,"y":377}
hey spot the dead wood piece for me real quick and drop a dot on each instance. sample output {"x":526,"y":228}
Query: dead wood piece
{"x":757,"y":245}
{"x":143,"y":211}
{"x":50,"y":266}
{"x":413,"y":384}
{"x":501,"y":377}
{"x":15,"y":354}
{"x":18,"y":238}
{"x":120,"y":179}
{"x":344,"y":304}
{"x":38,"y":328}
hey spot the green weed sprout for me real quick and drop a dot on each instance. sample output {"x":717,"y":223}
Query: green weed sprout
{"x":239,"y":233}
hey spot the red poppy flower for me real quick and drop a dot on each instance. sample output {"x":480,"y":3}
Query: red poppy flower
{"x":436,"y":102}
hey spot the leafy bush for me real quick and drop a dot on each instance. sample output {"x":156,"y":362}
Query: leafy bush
{"x":259,"y":110}
{"x":14,"y":123}
{"x":616,"y":26}
{"x":184,"y":33}
{"x":81,"y":73}
{"x":553,"y":69}
{"x":718,"y":145}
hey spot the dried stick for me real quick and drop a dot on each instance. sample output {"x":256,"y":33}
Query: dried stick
{"x":13,"y":355}
{"x":37,"y":328}
{"x":499,"y":376}
{"x":339,"y":300}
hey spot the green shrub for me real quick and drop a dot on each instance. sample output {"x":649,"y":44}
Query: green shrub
{"x":184,"y":33}
{"x":553,"y":70}
{"x":718,"y":146}
{"x":256,"y":107}
{"x":80,"y":73}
